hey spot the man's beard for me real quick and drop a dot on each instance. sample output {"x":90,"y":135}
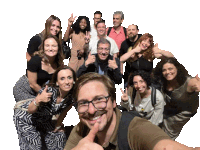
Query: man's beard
{"x":132,"y":38}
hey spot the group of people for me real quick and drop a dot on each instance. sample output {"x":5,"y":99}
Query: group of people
{"x":155,"y":103}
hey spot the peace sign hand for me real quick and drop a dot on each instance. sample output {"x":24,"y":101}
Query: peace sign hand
{"x":87,"y":37}
{"x":71,"y":20}
{"x":124,"y":96}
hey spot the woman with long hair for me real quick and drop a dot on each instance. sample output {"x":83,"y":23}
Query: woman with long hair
{"x":180,"y":93}
{"x":77,"y":33}
{"x":141,"y":56}
{"x":40,"y":69}
{"x":33,"y":117}
{"x":53,"y":27}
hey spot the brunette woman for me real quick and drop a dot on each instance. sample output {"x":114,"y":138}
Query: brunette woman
{"x":141,"y":56}
{"x":40,"y":69}
{"x":180,"y":92}
{"x":53,"y":27}
{"x":33,"y":117}
{"x":77,"y":33}
{"x":138,"y":97}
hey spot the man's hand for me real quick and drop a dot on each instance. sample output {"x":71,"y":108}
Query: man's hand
{"x":87,"y":143}
{"x":112,"y":63}
{"x":91,"y":59}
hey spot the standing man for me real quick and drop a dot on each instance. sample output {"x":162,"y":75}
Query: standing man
{"x":117,"y":32}
{"x":97,"y":18}
{"x":133,"y":36}
{"x":100,"y":120}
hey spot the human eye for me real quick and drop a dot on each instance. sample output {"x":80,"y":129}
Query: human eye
{"x":82,"y":103}
{"x":69,"y":77}
{"x":62,"y":78}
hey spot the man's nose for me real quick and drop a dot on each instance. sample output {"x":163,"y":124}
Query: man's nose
{"x":91,"y":108}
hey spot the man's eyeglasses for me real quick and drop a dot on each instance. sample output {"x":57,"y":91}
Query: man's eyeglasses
{"x":100,"y":48}
{"x":99,"y":103}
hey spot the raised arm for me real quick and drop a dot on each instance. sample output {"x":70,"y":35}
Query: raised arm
{"x":160,"y":54}
{"x":127,"y":55}
{"x":69,"y":30}
{"x":194,"y":84}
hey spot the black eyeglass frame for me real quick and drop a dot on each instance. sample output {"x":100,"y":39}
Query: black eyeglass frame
{"x":88,"y":102}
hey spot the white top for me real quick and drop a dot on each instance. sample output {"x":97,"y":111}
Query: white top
{"x":93,"y":45}
{"x":154,"y":114}
{"x":93,"y":31}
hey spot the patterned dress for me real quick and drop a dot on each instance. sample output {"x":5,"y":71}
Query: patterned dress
{"x":35,"y":130}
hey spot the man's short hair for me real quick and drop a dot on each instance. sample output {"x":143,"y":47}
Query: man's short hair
{"x":98,"y":12}
{"x":120,"y":13}
{"x":101,"y":21}
{"x":92,"y":76}
{"x":103,"y":41}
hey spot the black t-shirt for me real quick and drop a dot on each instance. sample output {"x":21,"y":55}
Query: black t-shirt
{"x":34,"y":43}
{"x":126,"y":44}
{"x":139,"y":64}
{"x":34,"y":65}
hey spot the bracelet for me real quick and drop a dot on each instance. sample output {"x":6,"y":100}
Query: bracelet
{"x":34,"y":102}
{"x":57,"y":128}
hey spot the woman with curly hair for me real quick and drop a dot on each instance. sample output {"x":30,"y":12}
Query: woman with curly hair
{"x":138,"y":97}
{"x":180,"y":93}
{"x":77,"y":32}
{"x":141,"y":56}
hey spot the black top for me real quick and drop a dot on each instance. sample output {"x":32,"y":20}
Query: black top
{"x":126,"y":44}
{"x":34,"y":65}
{"x":114,"y":74}
{"x":34,"y":43}
{"x":139,"y":64}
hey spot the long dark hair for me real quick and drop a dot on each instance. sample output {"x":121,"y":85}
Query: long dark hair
{"x":181,"y":76}
{"x":76,"y":26}
{"x":55,"y":77}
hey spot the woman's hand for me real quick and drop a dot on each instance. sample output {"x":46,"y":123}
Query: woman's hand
{"x":44,"y":96}
{"x":87,"y":37}
{"x":71,"y":20}
{"x":124,"y":96}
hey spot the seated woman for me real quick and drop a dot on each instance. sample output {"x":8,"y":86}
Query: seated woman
{"x":40,"y":69}
{"x":180,"y":93}
{"x":33,"y":117}
{"x":141,"y":56}
{"x":139,"y":97}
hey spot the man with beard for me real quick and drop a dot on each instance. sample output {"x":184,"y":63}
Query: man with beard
{"x":102,"y":62}
{"x":100,"y":120}
{"x":133,"y":36}
{"x":117,"y":32}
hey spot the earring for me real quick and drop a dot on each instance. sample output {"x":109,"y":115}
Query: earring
{"x":56,"y":84}
{"x":73,"y":82}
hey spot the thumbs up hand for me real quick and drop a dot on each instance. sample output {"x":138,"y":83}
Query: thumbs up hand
{"x":87,"y":143}
{"x":91,"y":59}
{"x":44,"y":96}
{"x":197,"y":84}
{"x":112,"y":63}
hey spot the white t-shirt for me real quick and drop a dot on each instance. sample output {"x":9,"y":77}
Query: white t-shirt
{"x":93,"y":31}
{"x":93,"y":45}
{"x":142,"y":105}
